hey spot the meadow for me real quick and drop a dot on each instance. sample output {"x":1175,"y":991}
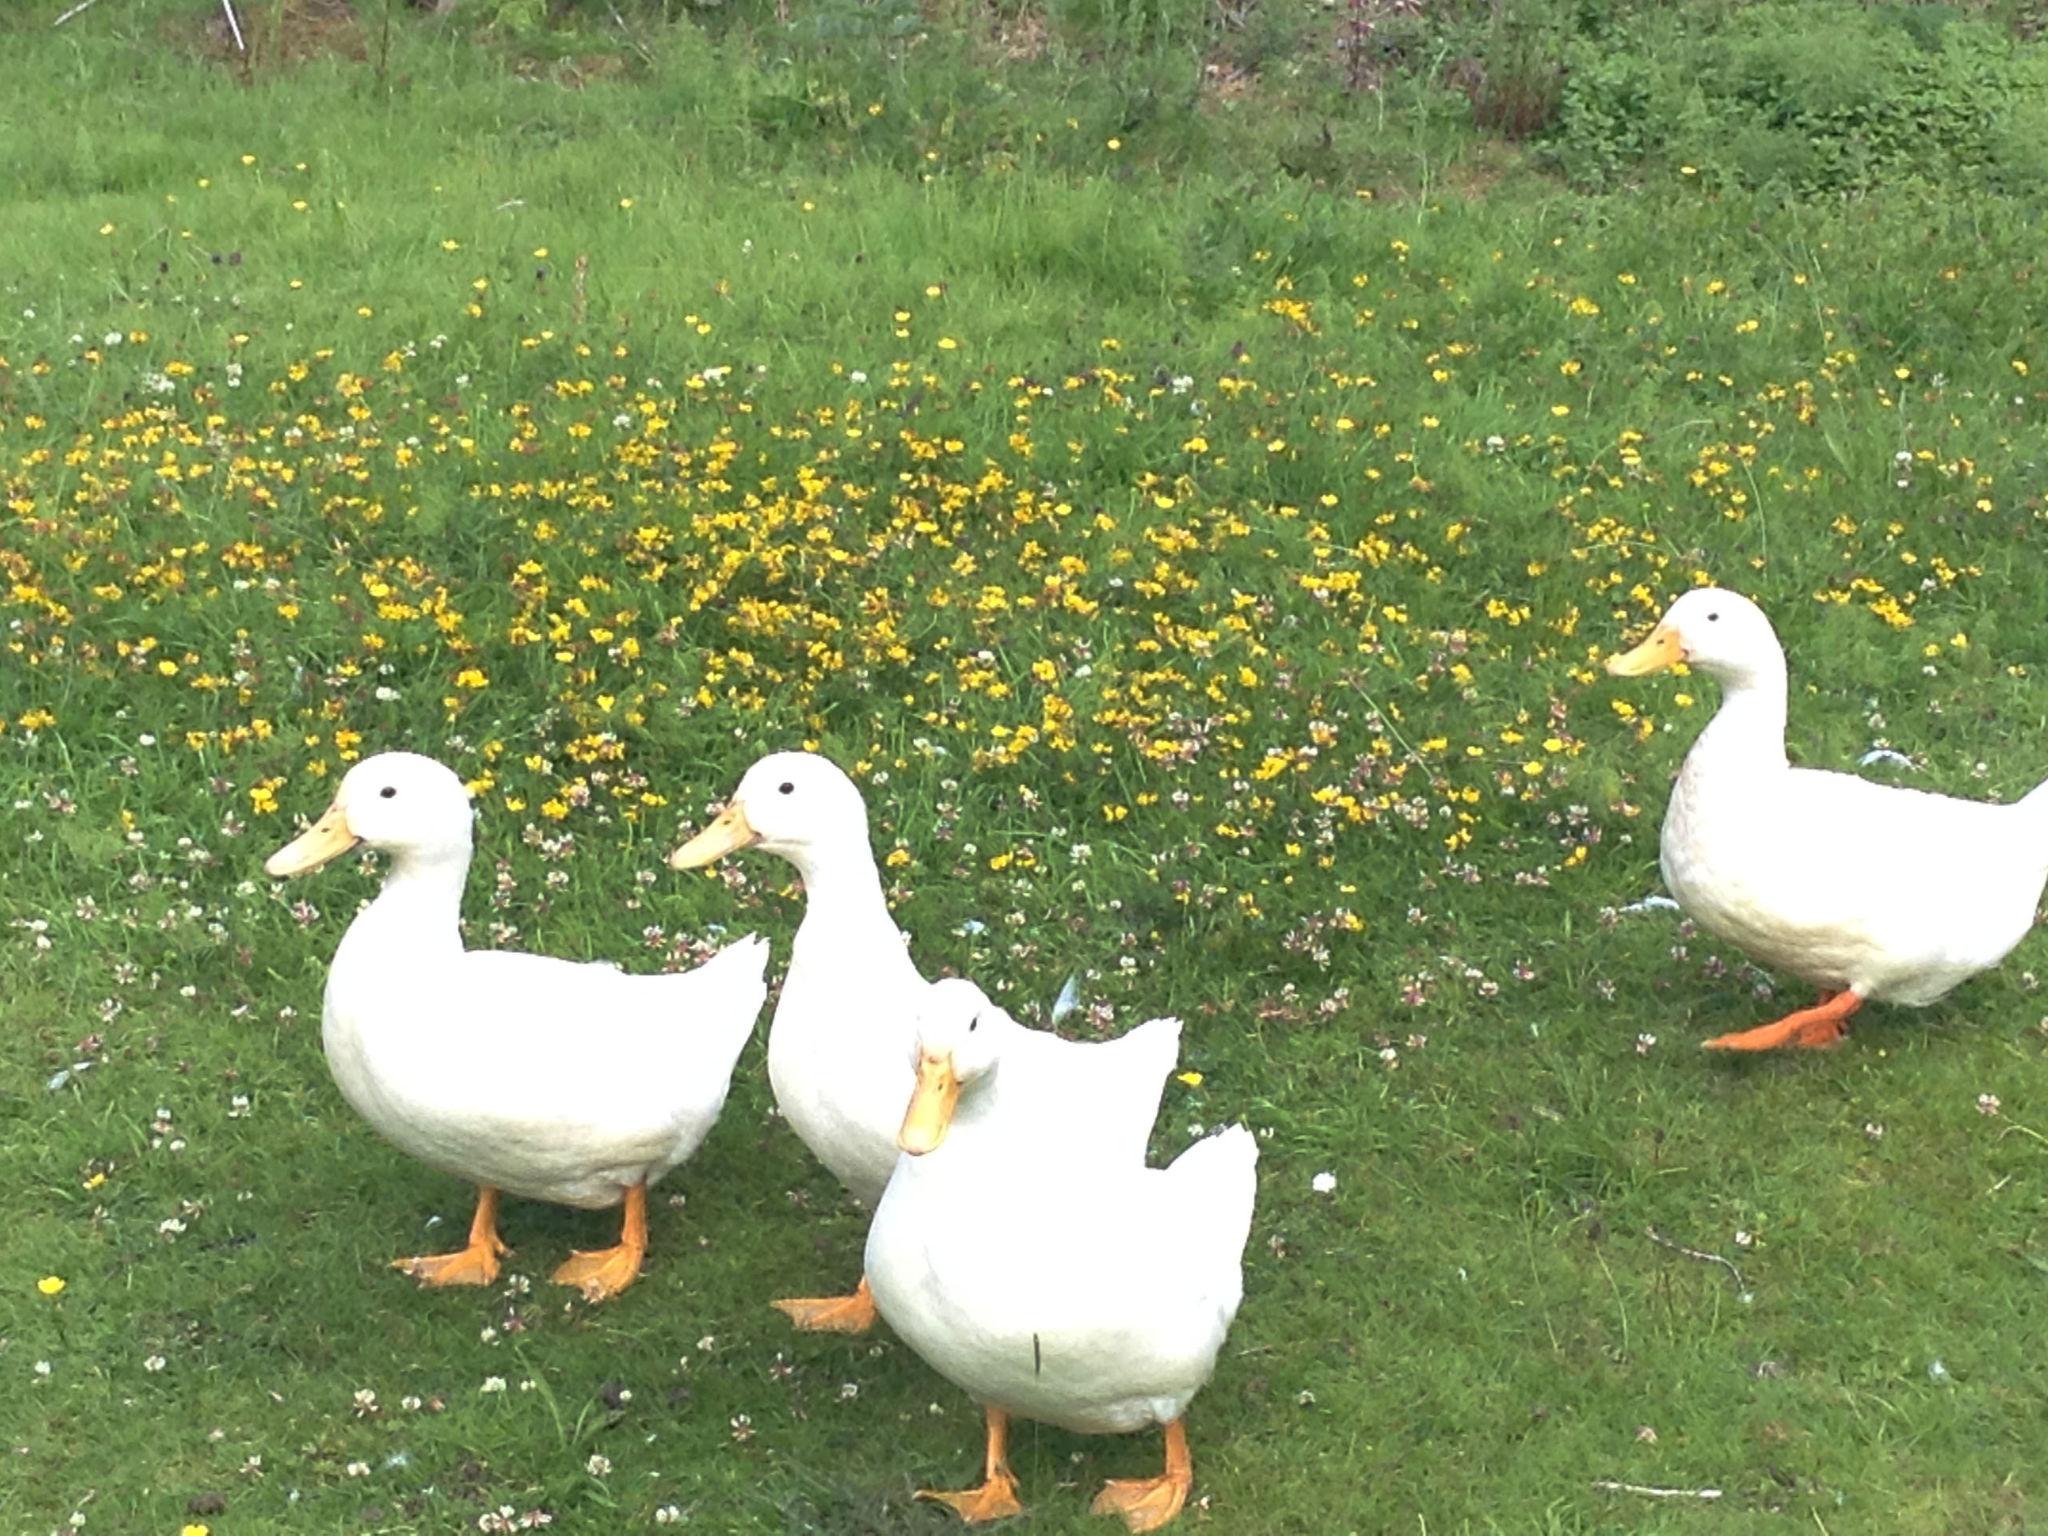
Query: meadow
{"x":1197,"y":513}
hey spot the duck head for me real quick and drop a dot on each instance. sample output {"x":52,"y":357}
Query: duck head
{"x":959,"y":1042}
{"x":1722,"y":633}
{"x":792,"y":804}
{"x":397,"y":802}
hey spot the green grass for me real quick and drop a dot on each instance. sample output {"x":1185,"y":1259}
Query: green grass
{"x":1306,"y":740}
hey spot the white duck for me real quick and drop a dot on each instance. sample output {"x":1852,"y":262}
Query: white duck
{"x":1865,"y":890}
{"x":842,"y":1045}
{"x":1092,"y":1298}
{"x":549,"y":1079}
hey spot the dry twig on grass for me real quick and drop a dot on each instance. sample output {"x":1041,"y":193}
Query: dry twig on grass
{"x":1705,"y":1495}
{"x":1700,"y":1254}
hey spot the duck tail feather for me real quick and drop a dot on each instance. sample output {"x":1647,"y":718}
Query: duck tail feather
{"x":1149,"y":1054}
{"x":729,"y":989}
{"x":1223,"y":1170}
{"x":1159,"y":1040}
{"x":2034,"y":805}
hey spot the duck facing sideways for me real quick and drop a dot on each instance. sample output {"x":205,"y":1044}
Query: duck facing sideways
{"x":1867,"y":891}
{"x":1088,"y":1297}
{"x":555,"y":1080}
{"x":842,"y":1045}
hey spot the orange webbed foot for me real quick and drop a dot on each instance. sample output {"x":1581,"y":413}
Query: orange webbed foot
{"x":602,"y":1274}
{"x":995,"y":1499}
{"x":832,"y":1314}
{"x":1144,"y":1503}
{"x":1147,"y":1503}
{"x":476,"y":1264}
{"x":1819,"y":1028}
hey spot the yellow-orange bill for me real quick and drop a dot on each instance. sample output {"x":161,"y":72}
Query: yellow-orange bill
{"x":1659,"y":651}
{"x":931,"y":1107}
{"x":728,"y":833}
{"x":326,"y":840}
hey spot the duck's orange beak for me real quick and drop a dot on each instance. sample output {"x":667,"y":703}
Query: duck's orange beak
{"x":931,"y":1107}
{"x":728,"y":833}
{"x":323,"y":842}
{"x":1662,"y":649}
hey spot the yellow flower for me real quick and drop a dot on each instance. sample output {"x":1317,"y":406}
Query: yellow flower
{"x":1192,"y":1079}
{"x":50,"y":1285}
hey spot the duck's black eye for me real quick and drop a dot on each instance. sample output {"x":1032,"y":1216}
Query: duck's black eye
{"x":1713,"y":618}
{"x":785,"y":788}
{"x":387,"y":792}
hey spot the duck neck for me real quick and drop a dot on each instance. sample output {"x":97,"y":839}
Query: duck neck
{"x":418,"y":913}
{"x":1748,"y":730}
{"x":973,"y":1144}
{"x":843,"y":898}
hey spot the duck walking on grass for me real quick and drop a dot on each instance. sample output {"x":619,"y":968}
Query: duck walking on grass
{"x":841,"y":1047}
{"x":1867,"y":891}
{"x":1050,"y":1287}
{"x":548,"y":1079}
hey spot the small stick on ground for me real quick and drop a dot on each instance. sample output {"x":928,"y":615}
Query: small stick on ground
{"x":83,"y":5}
{"x":1705,"y":1495}
{"x":1700,"y":1254}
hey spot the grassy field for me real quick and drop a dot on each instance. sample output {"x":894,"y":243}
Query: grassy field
{"x":1203,"y":554}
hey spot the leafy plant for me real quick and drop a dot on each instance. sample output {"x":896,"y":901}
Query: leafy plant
{"x":1521,"y":79}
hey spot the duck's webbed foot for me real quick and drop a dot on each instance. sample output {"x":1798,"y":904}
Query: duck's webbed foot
{"x":1819,"y":1028}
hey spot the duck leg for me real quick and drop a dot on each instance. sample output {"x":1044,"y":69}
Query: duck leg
{"x":832,"y":1314}
{"x":603,"y":1274}
{"x":1147,"y":1503}
{"x":476,"y":1264}
{"x":996,"y":1498}
{"x":1823,"y":1025}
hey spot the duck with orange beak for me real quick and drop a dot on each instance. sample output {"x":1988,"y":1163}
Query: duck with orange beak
{"x":547,"y":1079}
{"x":840,"y":1044}
{"x":1869,"y":892}
{"x":1094,"y":1298}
